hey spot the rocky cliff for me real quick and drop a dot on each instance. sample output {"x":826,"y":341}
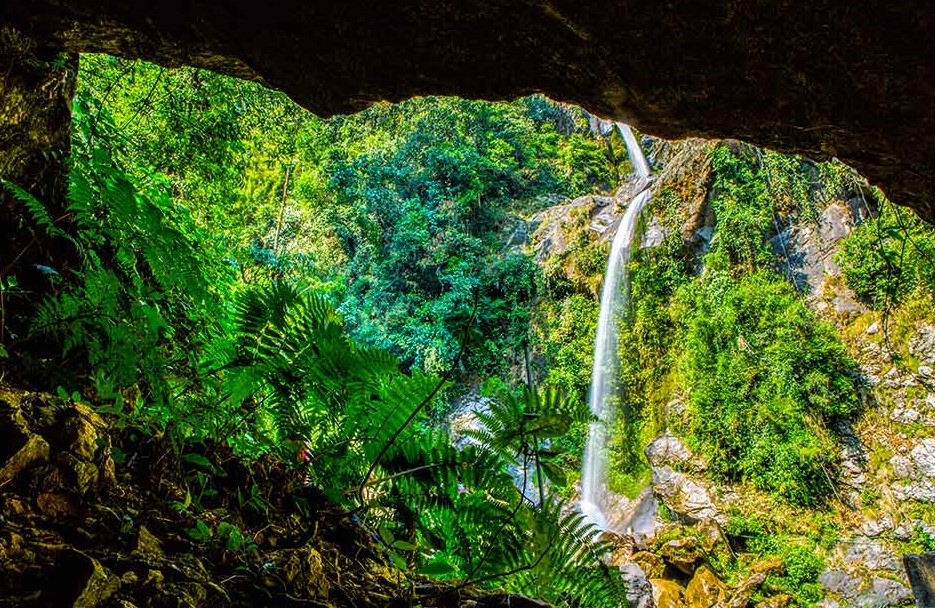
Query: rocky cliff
{"x":713,"y":543}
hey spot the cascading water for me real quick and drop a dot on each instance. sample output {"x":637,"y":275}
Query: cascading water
{"x":615,"y":297}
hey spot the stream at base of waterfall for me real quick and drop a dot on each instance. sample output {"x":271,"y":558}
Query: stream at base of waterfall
{"x":615,"y":301}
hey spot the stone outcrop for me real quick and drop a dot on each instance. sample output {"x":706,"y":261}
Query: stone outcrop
{"x":916,"y":472}
{"x":687,"y":498}
{"x":669,"y":450}
{"x":823,"y":78}
{"x":687,"y":580}
{"x":808,"y":248}
{"x":76,"y":534}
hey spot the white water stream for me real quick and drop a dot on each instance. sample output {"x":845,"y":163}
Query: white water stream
{"x":615,"y":300}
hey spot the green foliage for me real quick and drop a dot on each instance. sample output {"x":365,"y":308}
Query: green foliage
{"x":216,"y":222}
{"x":924,"y":540}
{"x":644,"y":355}
{"x":760,"y":375}
{"x":422,"y":203}
{"x":801,"y":558}
{"x":763,"y":378}
{"x":888,"y":256}
{"x":200,"y":532}
{"x":524,"y":426}
{"x":396,"y":212}
{"x":233,"y":539}
{"x":753,"y":189}
{"x":364,"y":424}
{"x":145,"y":288}
{"x":291,"y":286}
{"x":565,"y":332}
{"x":742,"y":206}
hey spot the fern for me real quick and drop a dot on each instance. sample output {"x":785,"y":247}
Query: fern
{"x":347,"y":404}
{"x":135,"y":308}
{"x":36,"y":209}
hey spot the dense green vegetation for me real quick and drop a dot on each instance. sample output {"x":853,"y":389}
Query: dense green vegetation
{"x":761,"y":377}
{"x":291,"y":286}
{"x":321,"y":291}
{"x":764,"y":378}
{"x":397,"y":211}
{"x":888,"y":257}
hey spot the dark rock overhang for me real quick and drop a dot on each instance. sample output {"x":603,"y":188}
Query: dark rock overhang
{"x":846,"y":78}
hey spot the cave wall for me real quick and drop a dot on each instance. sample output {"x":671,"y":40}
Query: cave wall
{"x":36,"y":89}
{"x":851,"y":79}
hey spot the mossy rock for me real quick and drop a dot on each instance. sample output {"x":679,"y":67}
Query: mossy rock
{"x":80,"y":582}
{"x":667,"y":594}
{"x":304,"y":570}
{"x":651,"y":564}
{"x":705,"y":589}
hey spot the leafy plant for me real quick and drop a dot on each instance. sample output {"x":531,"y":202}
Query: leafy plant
{"x":764,"y":377}
{"x":888,"y":256}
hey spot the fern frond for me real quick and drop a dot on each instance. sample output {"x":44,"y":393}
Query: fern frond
{"x":36,"y":209}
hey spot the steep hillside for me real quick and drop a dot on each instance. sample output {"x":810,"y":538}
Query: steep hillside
{"x":778,"y":388}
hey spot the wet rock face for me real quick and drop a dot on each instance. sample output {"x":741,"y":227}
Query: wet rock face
{"x":824,"y":78}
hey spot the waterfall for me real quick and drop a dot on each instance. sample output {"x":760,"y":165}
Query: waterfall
{"x":615,"y":297}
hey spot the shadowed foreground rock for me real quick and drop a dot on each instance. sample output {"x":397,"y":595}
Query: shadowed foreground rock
{"x":79,"y":530}
{"x":823,"y":78}
{"x":921,"y":570}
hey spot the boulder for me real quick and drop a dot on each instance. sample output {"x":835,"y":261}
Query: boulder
{"x":840,"y":582}
{"x":808,"y":249}
{"x":11,"y":547}
{"x":740,"y":597}
{"x":683,"y":553}
{"x":683,"y":496}
{"x":20,"y":448}
{"x":923,"y":456}
{"x":851,"y":459}
{"x":922,"y":344}
{"x":872,"y":554}
{"x":667,"y":594}
{"x":621,"y":552}
{"x":148,"y":545}
{"x":705,"y":589}
{"x":916,"y":472}
{"x":84,"y":430}
{"x":55,"y":504}
{"x":639,"y":589}
{"x":877,"y":527}
{"x":887,"y":592}
{"x":776,"y":601}
{"x":651,"y":563}
{"x":669,"y":450}
{"x":303,"y":568}
{"x":80,"y":475}
{"x":80,"y":582}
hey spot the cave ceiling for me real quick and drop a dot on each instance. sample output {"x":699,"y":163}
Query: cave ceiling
{"x":848,"y":79}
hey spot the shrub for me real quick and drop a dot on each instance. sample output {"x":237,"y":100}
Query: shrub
{"x":763,"y":377}
{"x":887,"y":257}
